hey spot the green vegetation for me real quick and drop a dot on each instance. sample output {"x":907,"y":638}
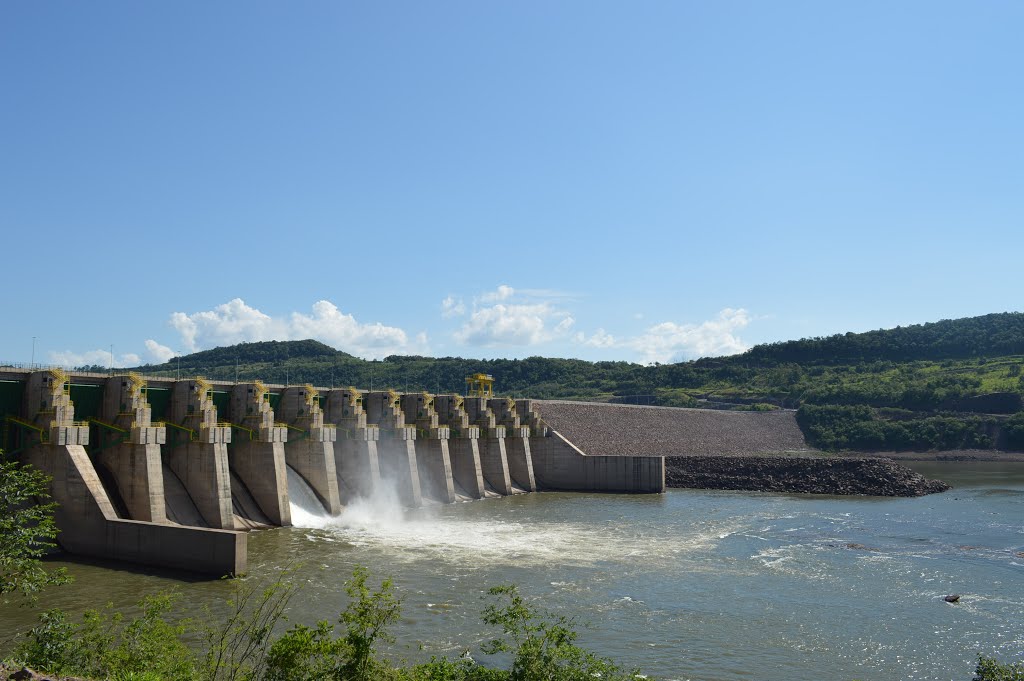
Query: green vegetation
{"x":149,"y":647}
{"x":947,"y":384}
{"x":990,"y":670}
{"x":27,"y":532}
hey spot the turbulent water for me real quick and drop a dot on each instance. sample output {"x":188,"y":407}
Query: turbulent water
{"x":685,"y":585}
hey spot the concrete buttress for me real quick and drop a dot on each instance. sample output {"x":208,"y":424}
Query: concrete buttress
{"x":198,"y":452}
{"x":88,"y":522}
{"x":517,"y":442}
{"x":257,"y":454}
{"x":397,"y":446}
{"x":433,"y":457}
{"x":493,"y":455}
{"x":356,"y":460}
{"x":310,"y":449}
{"x":134,"y":456}
{"x":463,"y":445}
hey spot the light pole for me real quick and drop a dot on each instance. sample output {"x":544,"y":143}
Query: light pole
{"x":33,"y":364}
{"x":111,"y":359}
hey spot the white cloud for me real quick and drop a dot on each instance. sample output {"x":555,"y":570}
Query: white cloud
{"x":600,"y":339}
{"x":452,"y":307}
{"x":509,"y":316}
{"x":159,"y":353}
{"x":330,"y":325}
{"x":513,"y":325}
{"x":503,"y":292}
{"x":563,"y":326}
{"x":236,"y":322}
{"x":67,"y":358}
{"x":671,"y":342}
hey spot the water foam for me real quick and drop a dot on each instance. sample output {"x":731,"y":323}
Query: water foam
{"x":307,"y":511}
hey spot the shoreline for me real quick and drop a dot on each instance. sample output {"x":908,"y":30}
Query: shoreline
{"x":835,"y":475}
{"x":954,"y":455}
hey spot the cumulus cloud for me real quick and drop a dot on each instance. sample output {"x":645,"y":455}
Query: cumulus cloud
{"x":330,"y":325}
{"x":671,"y":342}
{"x":159,"y":353}
{"x":452,"y":307}
{"x":503,"y":292}
{"x":509,"y":316}
{"x":68,"y":358}
{"x":236,"y":322}
{"x":599,"y":339}
{"x":513,"y":325}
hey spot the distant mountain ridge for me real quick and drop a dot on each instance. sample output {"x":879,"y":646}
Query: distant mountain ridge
{"x":985,"y":336}
{"x":988,"y":335}
{"x":951,"y":384}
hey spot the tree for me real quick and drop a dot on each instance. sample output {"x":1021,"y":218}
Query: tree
{"x":27,"y":533}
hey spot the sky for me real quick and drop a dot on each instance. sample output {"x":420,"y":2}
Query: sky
{"x":644,"y":181}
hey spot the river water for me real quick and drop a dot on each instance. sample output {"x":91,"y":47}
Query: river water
{"x":709,"y":585}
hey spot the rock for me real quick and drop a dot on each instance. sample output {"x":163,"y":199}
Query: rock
{"x":803,"y":474}
{"x":952,"y":598}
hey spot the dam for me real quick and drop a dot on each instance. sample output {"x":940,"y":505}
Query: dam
{"x":175,"y":472}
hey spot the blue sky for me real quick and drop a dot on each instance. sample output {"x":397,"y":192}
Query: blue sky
{"x":647,"y":181}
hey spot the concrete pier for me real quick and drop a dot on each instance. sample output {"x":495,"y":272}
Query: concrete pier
{"x":493,"y":454}
{"x":356,"y":459}
{"x":433,"y":457}
{"x":89,"y":524}
{"x":198,"y":451}
{"x":257,"y":455}
{"x":134,"y":458}
{"x":517,"y":443}
{"x":463,"y":445}
{"x":310,"y":446}
{"x":397,"y":448}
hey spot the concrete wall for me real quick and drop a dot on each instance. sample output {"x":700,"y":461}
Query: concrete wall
{"x":433,"y":459}
{"x":138,"y":471}
{"x":202,"y":468}
{"x":357,"y":463}
{"x":494,"y":464}
{"x":261,"y":466}
{"x":315,"y":462}
{"x":520,"y":461}
{"x":89,"y":526}
{"x":397,"y":458}
{"x":559,"y":465}
{"x":467,"y":471}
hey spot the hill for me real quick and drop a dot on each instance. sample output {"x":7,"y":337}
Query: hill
{"x":888,"y":379}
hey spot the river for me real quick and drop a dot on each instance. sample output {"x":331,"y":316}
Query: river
{"x":716,"y":586}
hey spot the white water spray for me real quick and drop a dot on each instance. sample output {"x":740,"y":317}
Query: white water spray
{"x":307,"y":511}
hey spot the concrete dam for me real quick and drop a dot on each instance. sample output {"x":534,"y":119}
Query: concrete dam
{"x":174,"y":473}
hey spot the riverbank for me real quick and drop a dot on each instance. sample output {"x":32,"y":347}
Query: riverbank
{"x":965,"y":455}
{"x":838,"y":475}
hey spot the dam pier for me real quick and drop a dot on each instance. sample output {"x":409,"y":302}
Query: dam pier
{"x":174,"y":473}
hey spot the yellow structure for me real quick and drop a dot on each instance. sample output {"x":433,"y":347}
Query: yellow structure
{"x":480,"y":385}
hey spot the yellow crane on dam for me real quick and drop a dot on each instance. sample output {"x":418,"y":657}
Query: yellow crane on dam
{"x":480,"y":385}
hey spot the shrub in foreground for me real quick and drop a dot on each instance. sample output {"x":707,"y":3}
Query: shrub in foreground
{"x":104,"y":645}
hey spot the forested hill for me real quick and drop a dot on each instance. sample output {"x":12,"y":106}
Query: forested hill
{"x":990,"y":335}
{"x":913,"y":367}
{"x":926,"y":386}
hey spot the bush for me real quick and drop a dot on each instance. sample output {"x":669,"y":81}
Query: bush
{"x":103,"y":646}
{"x":149,"y":648}
{"x":990,"y":670}
{"x":27,"y":532}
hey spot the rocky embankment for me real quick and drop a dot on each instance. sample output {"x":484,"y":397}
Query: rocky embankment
{"x":802,"y":474}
